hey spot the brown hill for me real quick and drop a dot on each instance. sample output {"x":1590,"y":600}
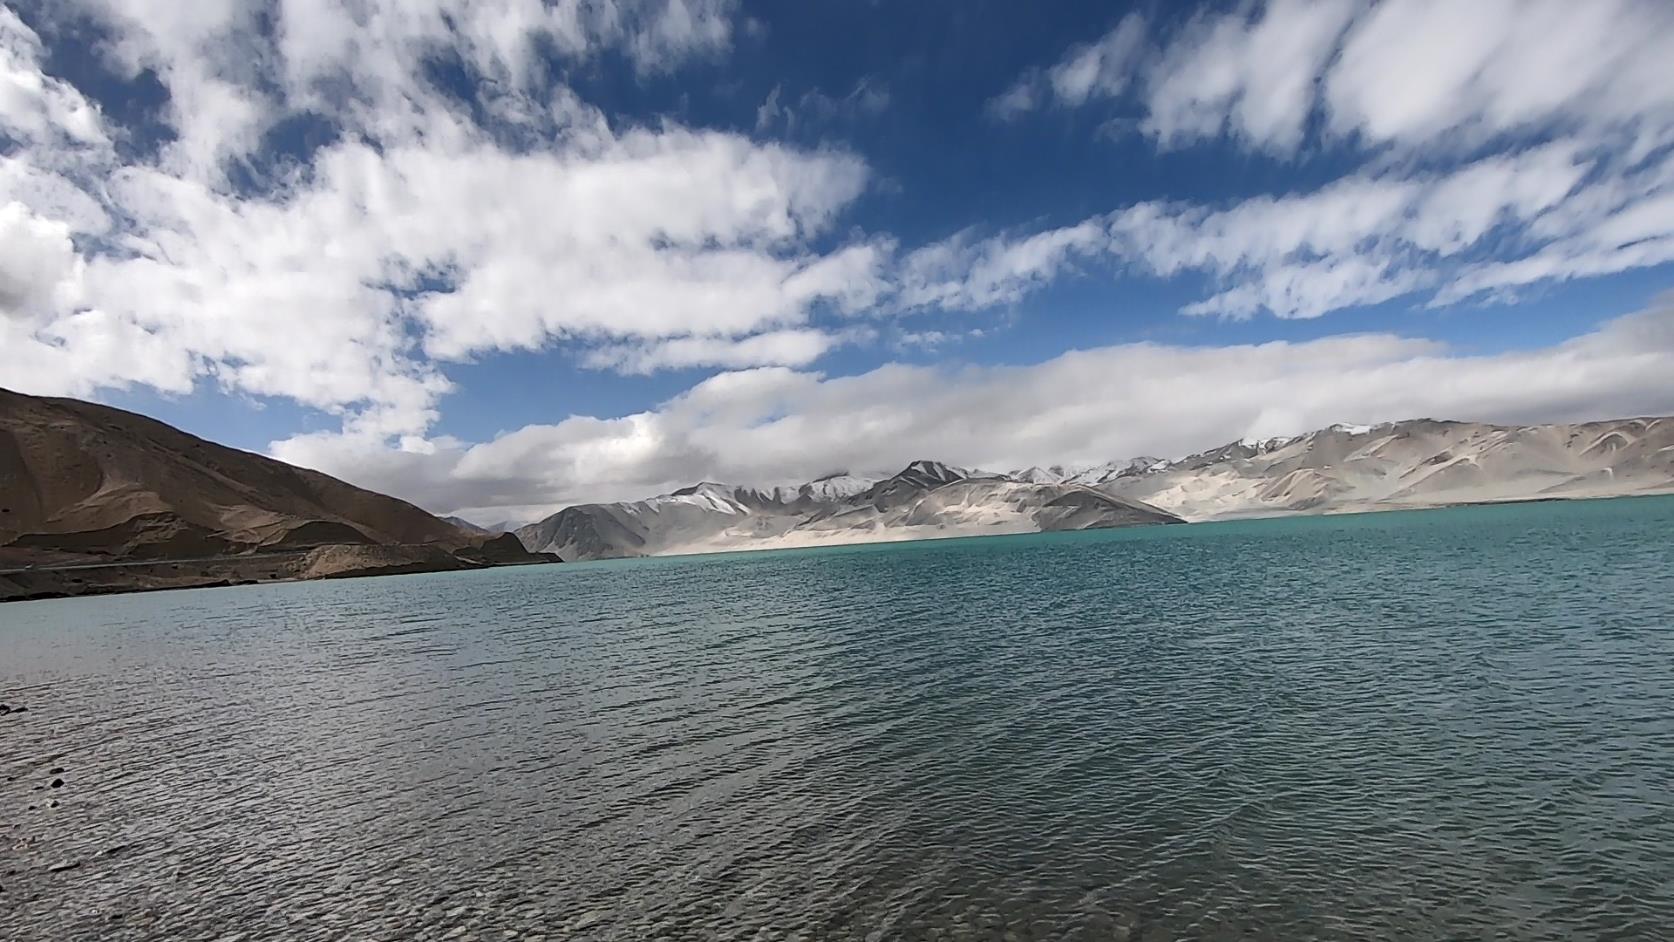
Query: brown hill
{"x":84,"y":484}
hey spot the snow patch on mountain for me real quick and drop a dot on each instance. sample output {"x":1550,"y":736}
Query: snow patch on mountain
{"x":1416,"y":463}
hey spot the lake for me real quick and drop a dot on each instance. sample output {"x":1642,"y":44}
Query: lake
{"x":1418,"y":725}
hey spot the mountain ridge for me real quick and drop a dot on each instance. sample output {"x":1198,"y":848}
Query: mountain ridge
{"x":1415,"y":463}
{"x":923,"y":500}
{"x":1408,"y":464}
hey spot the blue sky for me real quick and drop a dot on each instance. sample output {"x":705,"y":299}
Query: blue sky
{"x":501,"y":256}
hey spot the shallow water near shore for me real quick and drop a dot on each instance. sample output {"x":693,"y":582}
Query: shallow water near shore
{"x":1420,"y":725}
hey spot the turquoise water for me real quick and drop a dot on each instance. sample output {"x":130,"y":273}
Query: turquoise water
{"x":1438,"y":725}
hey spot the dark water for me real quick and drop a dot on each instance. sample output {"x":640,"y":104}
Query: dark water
{"x":1445,"y":725}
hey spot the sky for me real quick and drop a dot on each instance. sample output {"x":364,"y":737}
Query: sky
{"x":501,"y":256}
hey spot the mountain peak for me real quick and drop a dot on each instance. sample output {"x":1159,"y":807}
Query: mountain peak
{"x":702,"y":487}
{"x":926,"y":472}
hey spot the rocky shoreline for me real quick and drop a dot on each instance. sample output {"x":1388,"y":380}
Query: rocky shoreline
{"x":321,"y":562}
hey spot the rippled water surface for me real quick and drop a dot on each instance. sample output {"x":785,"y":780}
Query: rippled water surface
{"x":1454,"y":724}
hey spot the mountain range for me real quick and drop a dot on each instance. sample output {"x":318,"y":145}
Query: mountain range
{"x":1342,"y":468}
{"x":95,"y":499}
{"x":1412,"y":464}
{"x":924,"y":500}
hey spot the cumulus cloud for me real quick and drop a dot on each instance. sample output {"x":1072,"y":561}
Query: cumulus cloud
{"x":641,"y":235}
{"x":1493,"y":146}
{"x":233,"y":68}
{"x":423,"y":231}
{"x":34,"y":106}
{"x":40,"y":271}
{"x":208,"y":56}
{"x":777,"y":424}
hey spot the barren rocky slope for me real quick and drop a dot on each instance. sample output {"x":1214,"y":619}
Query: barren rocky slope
{"x":925,"y":500}
{"x":133,"y":503}
{"x":1416,"y":463}
{"x":1410,"y":464}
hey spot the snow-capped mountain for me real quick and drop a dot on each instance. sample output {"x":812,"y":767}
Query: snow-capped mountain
{"x":1039,"y":475}
{"x":1417,"y":463}
{"x":1089,"y":475}
{"x":1110,"y":471}
{"x":923,"y":500}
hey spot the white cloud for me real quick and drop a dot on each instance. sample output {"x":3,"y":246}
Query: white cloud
{"x":1607,"y":225}
{"x":1310,"y":289}
{"x":662,"y":34}
{"x":645,"y":235}
{"x":966,"y":273}
{"x":419,"y":235}
{"x":379,"y":46}
{"x":40,"y":272}
{"x":797,"y":347}
{"x":1428,"y":72}
{"x":36,"y":107}
{"x":776,"y":424}
{"x":1503,"y":143}
{"x":1252,"y":76}
{"x":1101,"y":69}
{"x":78,"y":354}
{"x":1016,"y":101}
{"x":207,"y":55}
{"x":364,"y":63}
{"x":1363,"y":239}
{"x":816,"y":111}
{"x":432,"y":230}
{"x":1410,"y":74}
{"x":52,"y":195}
{"x":1360,"y":240}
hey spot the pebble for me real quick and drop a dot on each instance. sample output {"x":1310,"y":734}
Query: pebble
{"x":57,"y":770}
{"x":57,"y":783}
{"x":61,"y":867}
